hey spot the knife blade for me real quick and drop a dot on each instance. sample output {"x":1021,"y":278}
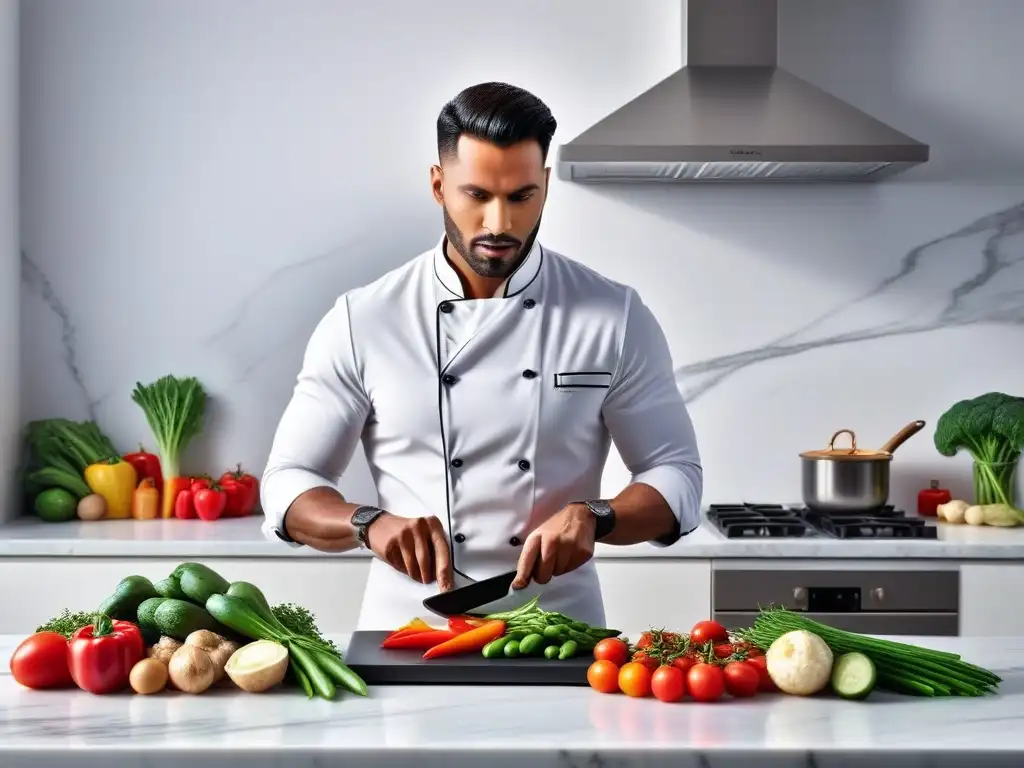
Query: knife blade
{"x":464,"y":600}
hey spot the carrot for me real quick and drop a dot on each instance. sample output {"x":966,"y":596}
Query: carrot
{"x":468,"y":642}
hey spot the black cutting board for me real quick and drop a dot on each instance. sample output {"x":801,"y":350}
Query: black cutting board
{"x":378,"y":666}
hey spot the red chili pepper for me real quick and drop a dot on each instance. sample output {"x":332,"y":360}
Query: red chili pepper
{"x":460,"y":624}
{"x":929,"y":499}
{"x":420,"y":641}
{"x":209,"y":502}
{"x":184,"y":509}
{"x":146,"y":465}
{"x":101,"y":655}
{"x":246,"y":503}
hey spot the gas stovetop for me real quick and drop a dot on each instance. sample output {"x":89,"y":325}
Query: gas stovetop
{"x":747,"y":520}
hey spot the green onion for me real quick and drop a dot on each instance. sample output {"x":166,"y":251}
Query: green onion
{"x":902,"y":667}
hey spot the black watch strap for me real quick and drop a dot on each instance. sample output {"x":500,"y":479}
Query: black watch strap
{"x":605,"y":516}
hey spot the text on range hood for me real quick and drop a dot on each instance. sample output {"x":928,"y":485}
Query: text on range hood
{"x":731,"y":114}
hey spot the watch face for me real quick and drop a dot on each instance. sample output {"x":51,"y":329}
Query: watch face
{"x":600,"y":507}
{"x":365,"y":515}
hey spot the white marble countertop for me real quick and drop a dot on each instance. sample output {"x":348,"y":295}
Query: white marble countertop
{"x":459,"y":727}
{"x":28,"y":537}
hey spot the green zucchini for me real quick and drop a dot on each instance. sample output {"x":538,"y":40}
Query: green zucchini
{"x":236,"y":614}
{"x":252,"y":595}
{"x":179,"y":619}
{"x":200,"y":582}
{"x":129,"y":593}
{"x":170,"y":587}
{"x":147,"y":619}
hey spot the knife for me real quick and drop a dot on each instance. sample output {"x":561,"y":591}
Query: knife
{"x":464,"y":600}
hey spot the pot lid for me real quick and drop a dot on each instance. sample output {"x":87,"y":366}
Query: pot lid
{"x":853,"y":453}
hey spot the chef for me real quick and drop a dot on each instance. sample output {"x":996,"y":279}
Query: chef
{"x":486,"y":379}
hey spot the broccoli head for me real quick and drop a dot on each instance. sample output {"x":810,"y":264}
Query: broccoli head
{"x":990,"y":427}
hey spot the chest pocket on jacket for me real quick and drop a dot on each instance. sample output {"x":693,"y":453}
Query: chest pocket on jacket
{"x":571,"y":380}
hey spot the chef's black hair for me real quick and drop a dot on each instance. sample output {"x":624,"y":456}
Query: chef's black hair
{"x":498,"y":113}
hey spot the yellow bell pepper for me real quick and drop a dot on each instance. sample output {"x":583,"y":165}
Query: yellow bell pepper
{"x":115,"y":481}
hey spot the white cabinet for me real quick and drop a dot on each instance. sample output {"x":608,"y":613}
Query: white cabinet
{"x":638,"y":593}
{"x":992,"y":599}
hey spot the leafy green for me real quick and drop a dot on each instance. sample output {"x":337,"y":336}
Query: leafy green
{"x":299,"y":620}
{"x":67,"y":623}
{"x":175,"y":409}
{"x":59,"y":451}
{"x":991,"y":428}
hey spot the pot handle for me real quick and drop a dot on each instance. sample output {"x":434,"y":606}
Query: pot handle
{"x":853,"y":440}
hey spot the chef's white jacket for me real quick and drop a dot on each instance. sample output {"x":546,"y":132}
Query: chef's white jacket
{"x":491,"y":414}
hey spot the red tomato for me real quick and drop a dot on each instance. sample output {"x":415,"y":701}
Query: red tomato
{"x":647,"y":638}
{"x":612,"y":649}
{"x":741,"y":679}
{"x":668,"y":684}
{"x":648,"y":661}
{"x":683,"y":664}
{"x":603,"y":676}
{"x":708,"y":632}
{"x":635,"y":680}
{"x":41,"y":661}
{"x":760,"y":663}
{"x":705,"y":682}
{"x":198,"y":483}
{"x":724,"y":650}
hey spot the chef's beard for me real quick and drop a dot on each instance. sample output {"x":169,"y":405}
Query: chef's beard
{"x":483,"y":266}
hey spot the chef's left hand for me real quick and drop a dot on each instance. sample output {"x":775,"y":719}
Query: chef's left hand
{"x":559,"y":545}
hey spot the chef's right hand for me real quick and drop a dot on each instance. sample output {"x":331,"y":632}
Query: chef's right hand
{"x":415,"y":546}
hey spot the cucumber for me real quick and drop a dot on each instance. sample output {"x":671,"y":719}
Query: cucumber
{"x":179,"y":619}
{"x":129,"y":593}
{"x":199,"y":582}
{"x":551,"y":652}
{"x":170,"y":587}
{"x":853,"y":676}
{"x":531,"y":644}
{"x":512,"y":649}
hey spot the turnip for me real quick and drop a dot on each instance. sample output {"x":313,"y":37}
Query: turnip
{"x":800,"y":663}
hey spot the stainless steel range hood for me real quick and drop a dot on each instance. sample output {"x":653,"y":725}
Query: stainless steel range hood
{"x":731,"y":114}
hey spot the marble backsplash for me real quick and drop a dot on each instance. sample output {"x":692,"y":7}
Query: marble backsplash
{"x":940,"y":320}
{"x":186,"y":210}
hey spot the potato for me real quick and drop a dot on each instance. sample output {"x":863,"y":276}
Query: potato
{"x":191,"y":669}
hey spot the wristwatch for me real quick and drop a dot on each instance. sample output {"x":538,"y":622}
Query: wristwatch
{"x":361,"y":520}
{"x":605,"y":517}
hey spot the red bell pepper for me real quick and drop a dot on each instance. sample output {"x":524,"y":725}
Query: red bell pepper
{"x":468,"y":642}
{"x":237,"y":498}
{"x":184,"y":509}
{"x":459,"y":624}
{"x":209,"y":502}
{"x":101,"y":655}
{"x":245,"y":500}
{"x":147,"y":465}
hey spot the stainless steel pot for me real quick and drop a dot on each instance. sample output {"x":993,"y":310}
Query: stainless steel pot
{"x":850,"y":479}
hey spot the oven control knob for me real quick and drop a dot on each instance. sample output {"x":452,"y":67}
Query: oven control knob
{"x":800,"y":596}
{"x":878,"y":593}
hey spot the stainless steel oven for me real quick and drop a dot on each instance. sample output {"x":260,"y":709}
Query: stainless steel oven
{"x":874,"y":599}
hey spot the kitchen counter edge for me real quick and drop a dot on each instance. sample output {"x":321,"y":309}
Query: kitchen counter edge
{"x":242,"y":537}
